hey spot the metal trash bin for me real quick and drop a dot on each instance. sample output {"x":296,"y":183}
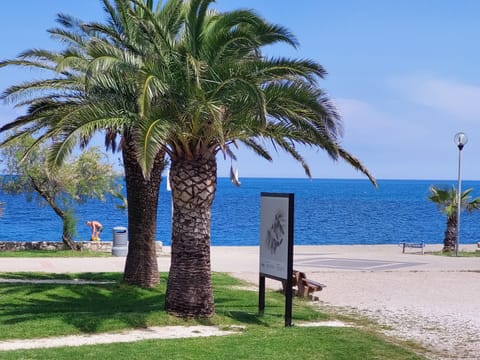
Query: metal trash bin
{"x":120,"y":241}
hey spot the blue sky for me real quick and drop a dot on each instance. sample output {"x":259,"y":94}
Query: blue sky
{"x":404,"y":75}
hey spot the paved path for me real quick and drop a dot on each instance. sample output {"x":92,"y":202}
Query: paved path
{"x":245,"y":259}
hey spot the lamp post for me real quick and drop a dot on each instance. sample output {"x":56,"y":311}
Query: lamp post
{"x":460,"y":140}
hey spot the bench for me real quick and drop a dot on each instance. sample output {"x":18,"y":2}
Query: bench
{"x":413,"y":246}
{"x":305,"y":287}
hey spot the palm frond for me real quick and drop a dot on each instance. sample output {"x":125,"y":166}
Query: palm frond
{"x":257,"y":148}
{"x":150,"y":138}
{"x":446,"y":199}
{"x":357,"y":165}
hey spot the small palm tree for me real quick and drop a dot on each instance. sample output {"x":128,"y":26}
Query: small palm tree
{"x":447,"y":202}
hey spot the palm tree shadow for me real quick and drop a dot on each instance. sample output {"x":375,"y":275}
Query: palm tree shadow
{"x":86,"y":307}
{"x":228,"y":305}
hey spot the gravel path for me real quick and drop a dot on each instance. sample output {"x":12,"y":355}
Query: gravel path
{"x":156,"y":332}
{"x":438,"y":309}
{"x":431,"y":300}
{"x":161,"y":332}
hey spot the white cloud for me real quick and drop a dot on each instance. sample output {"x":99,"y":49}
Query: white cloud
{"x":366,"y":125}
{"x":456,"y":98}
{"x":406,"y":140}
{"x":359,"y":115}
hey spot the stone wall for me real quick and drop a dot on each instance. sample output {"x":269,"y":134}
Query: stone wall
{"x":103,"y":246}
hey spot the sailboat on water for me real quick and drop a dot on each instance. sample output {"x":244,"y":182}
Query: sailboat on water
{"x":234,"y":176}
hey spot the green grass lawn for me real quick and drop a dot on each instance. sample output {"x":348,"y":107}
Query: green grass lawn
{"x":40,"y":310}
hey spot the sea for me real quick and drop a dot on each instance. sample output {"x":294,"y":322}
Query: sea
{"x":326,"y":212}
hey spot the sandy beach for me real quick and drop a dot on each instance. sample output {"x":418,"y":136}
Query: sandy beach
{"x":431,"y":300}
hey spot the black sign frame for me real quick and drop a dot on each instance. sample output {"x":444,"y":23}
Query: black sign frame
{"x":287,"y":278}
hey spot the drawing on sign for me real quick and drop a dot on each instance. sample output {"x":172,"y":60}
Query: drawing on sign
{"x":276,"y":232}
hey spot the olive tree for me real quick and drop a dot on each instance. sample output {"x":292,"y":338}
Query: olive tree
{"x":77,"y":180}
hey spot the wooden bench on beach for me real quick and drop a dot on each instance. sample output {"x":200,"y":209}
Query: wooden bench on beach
{"x":305,"y":287}
{"x":420,"y":245}
{"x":308,"y":287}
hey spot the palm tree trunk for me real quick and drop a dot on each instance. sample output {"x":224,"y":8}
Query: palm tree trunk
{"x":450,"y":234}
{"x":189,"y":289}
{"x":141,"y":267}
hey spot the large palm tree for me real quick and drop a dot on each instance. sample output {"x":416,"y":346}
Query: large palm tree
{"x":225,"y":92}
{"x":201,"y":86}
{"x":97,"y":84}
{"x":447,"y":202}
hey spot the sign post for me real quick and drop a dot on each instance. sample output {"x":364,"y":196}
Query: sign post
{"x":276,"y":246}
